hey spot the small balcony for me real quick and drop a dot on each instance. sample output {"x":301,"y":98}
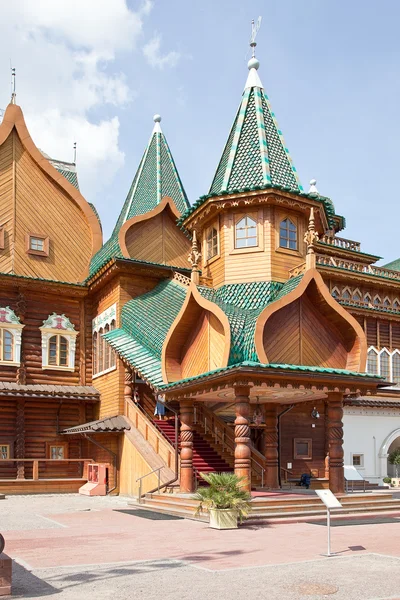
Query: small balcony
{"x":339,"y":242}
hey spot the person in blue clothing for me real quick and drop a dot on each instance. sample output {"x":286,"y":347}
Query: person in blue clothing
{"x":305,"y":480}
{"x":159,"y":410}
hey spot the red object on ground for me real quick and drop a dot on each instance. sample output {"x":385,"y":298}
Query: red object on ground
{"x":97,"y":480}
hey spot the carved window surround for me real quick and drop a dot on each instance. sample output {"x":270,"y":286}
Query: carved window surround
{"x":30,"y":238}
{"x":10,"y":322}
{"x":108,"y":318}
{"x":58,"y":325}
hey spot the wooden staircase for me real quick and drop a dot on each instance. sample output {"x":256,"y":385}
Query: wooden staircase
{"x":281,"y":507}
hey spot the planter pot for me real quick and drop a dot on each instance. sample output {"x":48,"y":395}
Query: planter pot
{"x":396,"y":482}
{"x":223,"y":518}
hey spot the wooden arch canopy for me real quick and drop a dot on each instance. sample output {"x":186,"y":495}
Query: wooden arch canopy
{"x":199,"y":339}
{"x":154,"y":236}
{"x":13,"y":117}
{"x":309,"y":327}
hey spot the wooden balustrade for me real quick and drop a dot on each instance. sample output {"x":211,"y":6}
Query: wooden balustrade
{"x":35,"y":462}
{"x":339,"y":242}
{"x":353,"y":265}
{"x":150,"y":433}
{"x":224,"y":438}
{"x":297,"y":270}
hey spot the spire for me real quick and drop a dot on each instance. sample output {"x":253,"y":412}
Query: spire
{"x":155,"y":178}
{"x":13,"y":92}
{"x":255,"y":153}
{"x":311,"y":238}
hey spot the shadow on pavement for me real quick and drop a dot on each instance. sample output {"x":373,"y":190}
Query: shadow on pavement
{"x":27,"y":585}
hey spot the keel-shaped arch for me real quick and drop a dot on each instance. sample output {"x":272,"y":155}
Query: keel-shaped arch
{"x":309,"y":327}
{"x":198,"y":341}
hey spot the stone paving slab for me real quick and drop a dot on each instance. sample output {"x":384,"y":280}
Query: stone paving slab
{"x":368,"y":577}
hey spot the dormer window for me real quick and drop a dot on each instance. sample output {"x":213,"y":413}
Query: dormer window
{"x":10,"y":337}
{"x":58,"y":343}
{"x":212,"y":242}
{"x":288,"y":234}
{"x":246,"y":233}
{"x":37,"y":244}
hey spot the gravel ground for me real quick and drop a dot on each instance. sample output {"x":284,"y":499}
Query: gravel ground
{"x":367,"y":577}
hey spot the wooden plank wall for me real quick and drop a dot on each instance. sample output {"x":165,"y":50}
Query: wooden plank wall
{"x":40,"y":207}
{"x":298,"y":424}
{"x":6,"y":203}
{"x":158,"y":240}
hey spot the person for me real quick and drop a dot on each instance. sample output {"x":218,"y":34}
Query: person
{"x":159,"y":410}
{"x":305,"y":480}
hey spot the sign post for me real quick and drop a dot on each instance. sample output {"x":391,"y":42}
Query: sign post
{"x":330,"y":501}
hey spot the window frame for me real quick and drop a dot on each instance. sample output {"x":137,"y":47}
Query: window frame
{"x":298,"y":456}
{"x":209,"y":257}
{"x":5,"y":445}
{"x":59,"y":337}
{"x":258,"y":216}
{"x":246,"y":227}
{"x":58,"y":325}
{"x":289,"y":221}
{"x":102,"y":352}
{"x":361,"y":455}
{"x":11,"y":323}
{"x":39,"y":236}
{"x":56,"y":444}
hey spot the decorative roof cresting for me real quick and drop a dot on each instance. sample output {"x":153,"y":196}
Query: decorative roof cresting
{"x":255,"y":153}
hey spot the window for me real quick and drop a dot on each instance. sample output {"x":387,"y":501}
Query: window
{"x":396,"y":305}
{"x":4,"y":451}
{"x":386,"y":303}
{"x":288,"y":234}
{"x":346,"y":294}
{"x":58,"y":343}
{"x":37,"y":244}
{"x":303,"y":448}
{"x":335,"y":293}
{"x":377,"y":301}
{"x":358,"y":460}
{"x":212,"y":242}
{"x":10,"y":337}
{"x":6,"y":345}
{"x":57,"y":452}
{"x":396,"y":367}
{"x":384,"y":359}
{"x":357,"y":296}
{"x":104,"y":358}
{"x":58,"y":351}
{"x":372,"y":362}
{"x":246,"y":233}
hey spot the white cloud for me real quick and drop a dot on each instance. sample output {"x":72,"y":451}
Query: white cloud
{"x":64,"y":54}
{"x":154,"y":57}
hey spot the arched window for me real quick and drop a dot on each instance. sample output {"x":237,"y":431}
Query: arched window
{"x":335,"y":293}
{"x":386,"y":303}
{"x":212,"y":242}
{"x":288,"y":234}
{"x":95,"y":351}
{"x":346,"y":294}
{"x":384,"y":360}
{"x":246,"y":233}
{"x":58,"y":351}
{"x":372,"y":362}
{"x":396,"y":305}
{"x":112,"y":352}
{"x":367,"y":299}
{"x":101,"y":347}
{"x":357,"y":296}
{"x":377,"y":301}
{"x":106,"y":350}
{"x":396,"y":367}
{"x":6,"y":345}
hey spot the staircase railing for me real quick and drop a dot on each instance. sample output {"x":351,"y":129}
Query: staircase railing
{"x":140,"y":479}
{"x":224,"y":436}
{"x":286,"y":472}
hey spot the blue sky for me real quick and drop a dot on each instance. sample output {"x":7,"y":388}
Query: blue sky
{"x":330,"y":70}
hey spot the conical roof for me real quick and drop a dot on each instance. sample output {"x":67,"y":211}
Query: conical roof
{"x":155,"y":178}
{"x":255,"y":153}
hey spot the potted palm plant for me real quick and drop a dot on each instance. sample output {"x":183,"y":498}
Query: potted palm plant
{"x":224,"y":498}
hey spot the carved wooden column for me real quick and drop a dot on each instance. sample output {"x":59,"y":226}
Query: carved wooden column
{"x":335,"y":440}
{"x":271,"y":446}
{"x":186,"y":416}
{"x":242,"y":435}
{"x":326,"y":461}
{"x":20,"y":438}
{"x":128,"y":378}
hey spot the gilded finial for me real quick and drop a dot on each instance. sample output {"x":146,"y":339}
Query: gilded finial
{"x":194,"y":259}
{"x":13,"y":92}
{"x":310,"y":238}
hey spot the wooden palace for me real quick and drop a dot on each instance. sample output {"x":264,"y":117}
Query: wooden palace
{"x":221,"y":335}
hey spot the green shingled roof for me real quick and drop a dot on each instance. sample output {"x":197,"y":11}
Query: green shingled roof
{"x":255,"y":153}
{"x":155,"y":178}
{"x":272,"y":366}
{"x":394,"y":265}
{"x":145,"y":322}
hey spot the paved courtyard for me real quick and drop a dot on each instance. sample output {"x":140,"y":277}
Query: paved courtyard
{"x":76,"y":547}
